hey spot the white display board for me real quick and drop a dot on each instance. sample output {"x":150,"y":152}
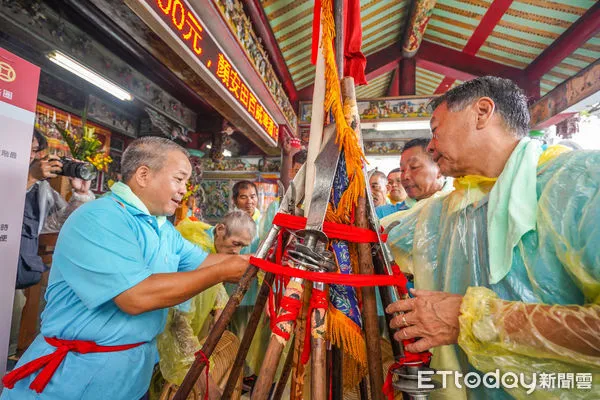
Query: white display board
{"x":19,"y":81}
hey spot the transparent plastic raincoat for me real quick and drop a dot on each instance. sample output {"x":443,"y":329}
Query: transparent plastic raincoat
{"x":544,"y":316}
{"x":187,"y":323}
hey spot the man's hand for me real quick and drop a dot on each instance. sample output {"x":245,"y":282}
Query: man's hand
{"x":288,"y":148}
{"x":430,"y":316}
{"x":80,"y":186}
{"x":235,"y":267}
{"x":45,"y":168}
{"x":378,"y":198}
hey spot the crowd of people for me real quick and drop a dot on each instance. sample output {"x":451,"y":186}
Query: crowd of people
{"x":499,"y":232}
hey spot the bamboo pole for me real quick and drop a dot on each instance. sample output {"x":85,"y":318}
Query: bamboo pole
{"x":374,"y":359}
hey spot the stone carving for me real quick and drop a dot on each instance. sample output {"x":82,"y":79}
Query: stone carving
{"x":240,"y":165}
{"x":171,"y":130}
{"x":105,"y":114}
{"x":241,"y":26}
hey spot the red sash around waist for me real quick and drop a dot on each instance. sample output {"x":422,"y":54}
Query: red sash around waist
{"x":50,"y":362}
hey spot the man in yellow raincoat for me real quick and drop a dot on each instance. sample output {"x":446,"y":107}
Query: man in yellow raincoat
{"x":507,"y":266}
{"x":188,"y":323}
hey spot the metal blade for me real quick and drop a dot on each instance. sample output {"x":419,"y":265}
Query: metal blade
{"x":326,"y":166}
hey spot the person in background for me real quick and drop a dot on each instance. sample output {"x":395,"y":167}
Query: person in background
{"x":289,"y":148}
{"x":245,"y":198}
{"x":378,"y":184}
{"x":45,"y":211}
{"x":421,"y":176}
{"x":507,"y":265}
{"x":396,"y":195}
{"x":396,"y":192}
{"x":188,"y":323}
{"x":117,"y":267}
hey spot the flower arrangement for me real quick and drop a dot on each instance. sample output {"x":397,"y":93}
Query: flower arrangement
{"x":86,"y":147}
{"x":191,"y":190}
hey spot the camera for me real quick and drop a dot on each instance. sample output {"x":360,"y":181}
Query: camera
{"x":78,"y":169}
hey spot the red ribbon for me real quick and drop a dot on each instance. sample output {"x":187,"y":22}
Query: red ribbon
{"x":330,"y":277}
{"x":315,"y":31}
{"x":292,"y":306}
{"x":203,"y":359}
{"x":50,"y":362}
{"x":409,"y":358}
{"x":318,"y":300}
{"x":348,"y":233}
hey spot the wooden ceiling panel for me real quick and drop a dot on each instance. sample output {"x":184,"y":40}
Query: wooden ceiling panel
{"x":376,"y":88}
{"x":291,"y":22}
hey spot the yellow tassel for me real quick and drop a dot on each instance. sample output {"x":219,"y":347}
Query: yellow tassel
{"x":345,"y":334}
{"x":346,"y":136}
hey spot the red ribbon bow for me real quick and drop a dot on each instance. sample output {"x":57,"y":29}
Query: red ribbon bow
{"x":50,"y":362}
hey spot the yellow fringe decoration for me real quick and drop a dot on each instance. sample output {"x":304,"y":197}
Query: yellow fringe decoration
{"x":345,"y":334}
{"x":346,"y":136}
{"x":342,"y":331}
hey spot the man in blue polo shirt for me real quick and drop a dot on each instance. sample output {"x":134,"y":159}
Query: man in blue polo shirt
{"x":118,"y":265}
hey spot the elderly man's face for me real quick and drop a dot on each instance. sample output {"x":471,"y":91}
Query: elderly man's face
{"x":453,"y":139}
{"x":420,"y":175}
{"x":232,"y":244}
{"x":247,"y":200}
{"x":395,"y":188}
{"x":166,"y":187}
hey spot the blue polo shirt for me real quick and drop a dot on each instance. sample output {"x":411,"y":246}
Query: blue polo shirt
{"x":106,"y":247}
{"x":387,"y":209}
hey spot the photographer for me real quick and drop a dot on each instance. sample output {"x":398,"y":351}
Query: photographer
{"x":45,"y":211}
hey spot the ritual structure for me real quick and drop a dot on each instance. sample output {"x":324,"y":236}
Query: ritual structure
{"x":322,"y":258}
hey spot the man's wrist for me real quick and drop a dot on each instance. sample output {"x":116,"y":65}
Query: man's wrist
{"x":83,"y":196}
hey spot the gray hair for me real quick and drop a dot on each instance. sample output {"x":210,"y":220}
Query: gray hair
{"x":510,"y":100}
{"x":377,"y":173}
{"x":150,"y":151}
{"x":238,"y":221}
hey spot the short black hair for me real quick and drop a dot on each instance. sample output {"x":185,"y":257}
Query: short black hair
{"x":510,"y":100}
{"x":395,"y":170}
{"x":242,"y":185}
{"x":419,"y":142}
{"x":42,"y":141}
{"x":299,"y":157}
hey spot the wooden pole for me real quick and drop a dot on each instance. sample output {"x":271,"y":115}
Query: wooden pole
{"x":363,"y":389}
{"x":285,"y":375}
{"x":337,"y":389}
{"x":216,"y":333}
{"x":297,"y":388}
{"x":318,"y":326}
{"x":369,"y":309}
{"x":240,"y":358}
{"x":366,"y":265}
{"x":276,"y":344}
{"x":338,"y":17}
